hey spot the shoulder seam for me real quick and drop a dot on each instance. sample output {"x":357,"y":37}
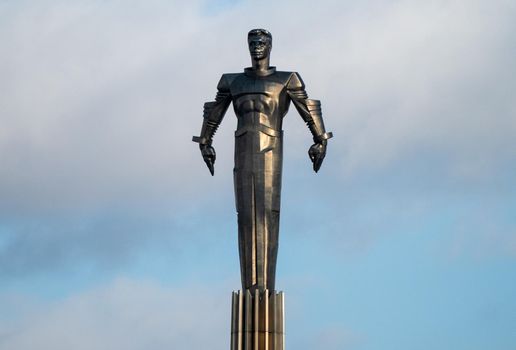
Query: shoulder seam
{"x":298,"y":84}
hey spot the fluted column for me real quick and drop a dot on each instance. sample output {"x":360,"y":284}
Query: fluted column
{"x":257,"y":320}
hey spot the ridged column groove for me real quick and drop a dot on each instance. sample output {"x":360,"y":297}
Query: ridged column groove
{"x":257,"y":320}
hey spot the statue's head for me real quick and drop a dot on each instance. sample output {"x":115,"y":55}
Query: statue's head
{"x":260,"y":43}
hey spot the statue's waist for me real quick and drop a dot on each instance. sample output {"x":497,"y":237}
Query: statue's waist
{"x":260,"y":122}
{"x":258,"y":128}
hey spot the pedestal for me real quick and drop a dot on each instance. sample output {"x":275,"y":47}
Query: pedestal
{"x":257,"y":320}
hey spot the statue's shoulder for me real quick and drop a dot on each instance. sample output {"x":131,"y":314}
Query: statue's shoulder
{"x":294,"y":81}
{"x":226,"y":80}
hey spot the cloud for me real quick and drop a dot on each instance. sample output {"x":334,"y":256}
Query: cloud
{"x":140,"y":314}
{"x":91,"y":110}
{"x":129,"y":314}
{"x":100,"y":100}
{"x":40,"y":246}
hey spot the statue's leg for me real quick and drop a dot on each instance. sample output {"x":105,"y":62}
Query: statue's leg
{"x":257,"y":179}
{"x":258,"y":311}
{"x":271,"y":197}
{"x":245,"y":199}
{"x":244,"y":182}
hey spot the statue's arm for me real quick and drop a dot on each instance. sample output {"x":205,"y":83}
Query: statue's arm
{"x":310,"y":111}
{"x":213,"y":114}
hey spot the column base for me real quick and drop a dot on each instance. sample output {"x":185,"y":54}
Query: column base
{"x":257,"y":320}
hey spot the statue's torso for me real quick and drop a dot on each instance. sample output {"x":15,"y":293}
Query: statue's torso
{"x":260,"y":103}
{"x":259,"y":100}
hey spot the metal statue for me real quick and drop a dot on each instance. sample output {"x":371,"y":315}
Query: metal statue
{"x":261,"y":96}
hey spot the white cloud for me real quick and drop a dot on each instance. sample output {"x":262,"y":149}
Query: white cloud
{"x":100,"y":100}
{"x":127,"y":314}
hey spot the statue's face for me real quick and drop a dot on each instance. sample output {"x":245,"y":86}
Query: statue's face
{"x":259,"y":47}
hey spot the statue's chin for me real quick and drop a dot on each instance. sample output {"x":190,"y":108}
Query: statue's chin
{"x":258,"y":55}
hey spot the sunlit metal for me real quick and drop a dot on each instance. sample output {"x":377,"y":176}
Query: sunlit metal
{"x":261,"y":96}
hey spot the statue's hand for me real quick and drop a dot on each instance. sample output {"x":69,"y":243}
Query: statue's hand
{"x":317,"y":153}
{"x":209,"y":156}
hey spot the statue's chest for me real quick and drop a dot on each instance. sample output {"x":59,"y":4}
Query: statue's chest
{"x":256,"y":94}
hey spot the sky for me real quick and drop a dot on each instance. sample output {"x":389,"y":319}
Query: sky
{"x":113,"y":234}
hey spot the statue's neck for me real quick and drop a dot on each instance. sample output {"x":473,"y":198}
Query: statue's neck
{"x":261,"y":65}
{"x":260,"y":68}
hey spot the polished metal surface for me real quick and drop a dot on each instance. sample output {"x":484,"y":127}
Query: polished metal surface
{"x":257,"y":320}
{"x":261,"y":96}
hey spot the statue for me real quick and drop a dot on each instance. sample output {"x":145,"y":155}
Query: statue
{"x":261,"y":96}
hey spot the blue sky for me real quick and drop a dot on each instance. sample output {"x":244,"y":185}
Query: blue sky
{"x":114,"y":235}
